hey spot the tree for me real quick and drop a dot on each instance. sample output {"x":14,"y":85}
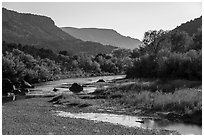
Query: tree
{"x":197,"y":40}
{"x":88,"y":64}
{"x":64,"y":52}
{"x":135,"y":53}
{"x":121,"y":52}
{"x":152,"y":40}
{"x":180,"y":41}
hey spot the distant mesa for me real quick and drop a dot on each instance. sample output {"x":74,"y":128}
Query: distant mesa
{"x":103,"y":36}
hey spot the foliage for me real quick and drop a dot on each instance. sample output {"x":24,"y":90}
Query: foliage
{"x":152,"y":40}
{"x":168,"y":55}
{"x":88,"y":64}
{"x":36,"y":65}
{"x":18,"y":65}
{"x":121,"y":53}
{"x":180,"y":41}
{"x":197,"y":39}
{"x":191,"y":26}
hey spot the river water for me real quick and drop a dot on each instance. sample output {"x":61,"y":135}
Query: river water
{"x":47,"y":87}
{"x":135,"y":121}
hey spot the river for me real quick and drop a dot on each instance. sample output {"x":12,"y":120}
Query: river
{"x":135,"y":121}
{"x":47,"y":87}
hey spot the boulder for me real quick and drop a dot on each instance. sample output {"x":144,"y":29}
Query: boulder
{"x":76,"y":88}
{"x":101,"y":80}
{"x":55,"y":90}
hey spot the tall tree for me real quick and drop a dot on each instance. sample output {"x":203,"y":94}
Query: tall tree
{"x":152,"y":40}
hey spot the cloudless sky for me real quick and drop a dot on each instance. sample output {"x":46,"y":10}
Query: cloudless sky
{"x":128,"y":18}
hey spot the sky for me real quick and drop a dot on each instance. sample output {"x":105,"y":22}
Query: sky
{"x":127,"y":18}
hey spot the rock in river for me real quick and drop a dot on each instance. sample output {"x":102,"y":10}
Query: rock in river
{"x":55,"y":90}
{"x":76,"y":88}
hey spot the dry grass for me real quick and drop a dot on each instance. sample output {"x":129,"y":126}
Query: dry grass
{"x":183,"y":101}
{"x":177,"y":95}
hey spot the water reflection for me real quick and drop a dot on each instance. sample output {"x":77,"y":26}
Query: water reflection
{"x":134,"y":121}
{"x":89,"y":89}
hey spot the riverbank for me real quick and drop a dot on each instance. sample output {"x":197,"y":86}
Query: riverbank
{"x":34,"y":116}
{"x":177,"y":100}
{"x":106,"y":100}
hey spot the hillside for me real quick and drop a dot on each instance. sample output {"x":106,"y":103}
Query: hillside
{"x":41,"y":32}
{"x":191,"y":27}
{"x":103,"y":36}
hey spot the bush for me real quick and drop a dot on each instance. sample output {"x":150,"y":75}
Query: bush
{"x":31,"y":76}
{"x":144,"y":66}
{"x":18,"y":65}
{"x":170,"y":56}
{"x":65,"y":63}
{"x":12,"y":67}
{"x":168,"y":65}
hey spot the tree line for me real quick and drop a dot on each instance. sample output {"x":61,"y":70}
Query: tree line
{"x":168,"y":55}
{"x":37,"y":64}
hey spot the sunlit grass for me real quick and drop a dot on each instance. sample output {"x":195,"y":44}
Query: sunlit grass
{"x":179,"y":95}
{"x":184,"y":101}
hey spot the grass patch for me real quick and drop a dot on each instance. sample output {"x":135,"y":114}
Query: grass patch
{"x":151,"y":85}
{"x":180,"y":96}
{"x":182,"y":101}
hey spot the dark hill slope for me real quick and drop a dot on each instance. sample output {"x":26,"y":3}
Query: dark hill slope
{"x":41,"y":31}
{"x":191,"y":27}
{"x":103,"y":36}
